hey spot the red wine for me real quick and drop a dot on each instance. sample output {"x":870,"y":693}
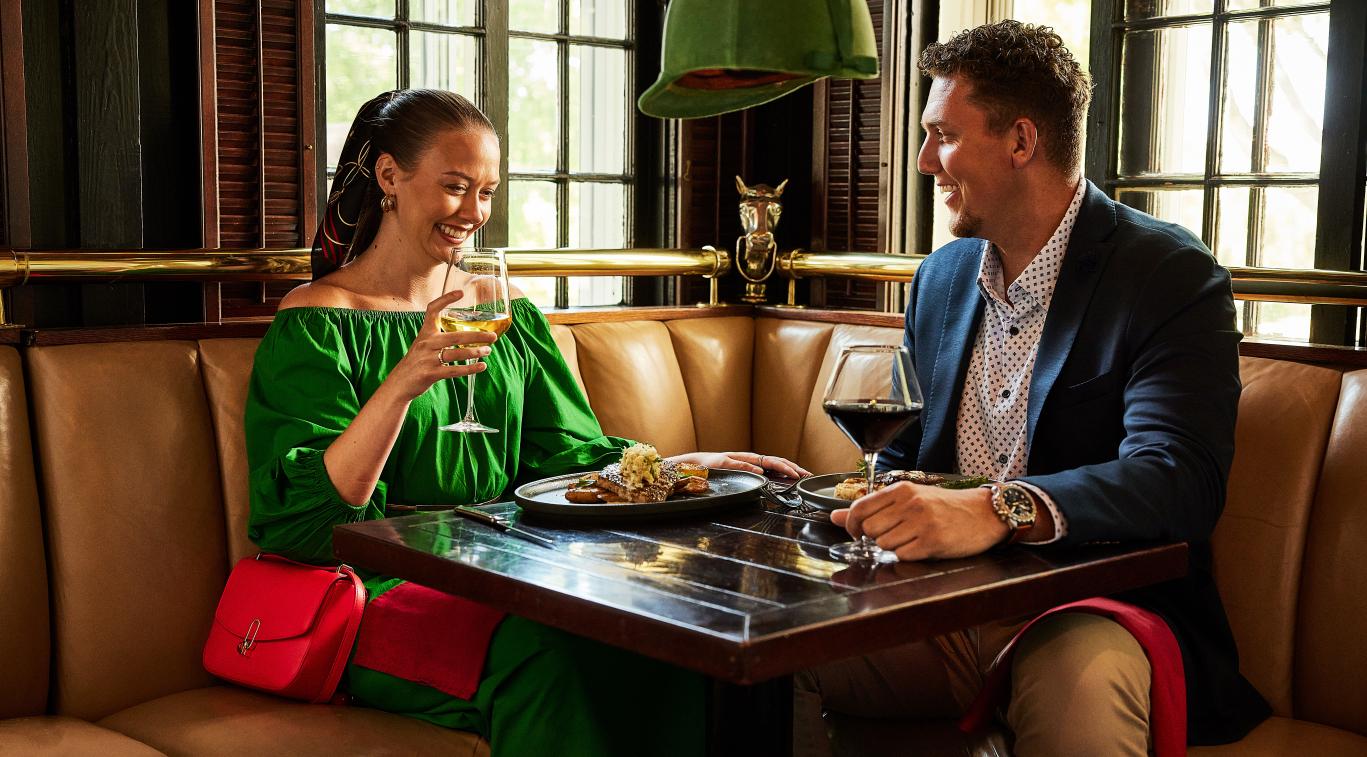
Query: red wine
{"x":871,"y":424}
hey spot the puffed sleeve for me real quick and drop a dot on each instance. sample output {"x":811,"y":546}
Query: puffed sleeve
{"x":301,"y":397}
{"x":560,"y":433}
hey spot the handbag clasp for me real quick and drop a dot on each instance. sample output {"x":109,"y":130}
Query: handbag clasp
{"x":249,"y":640}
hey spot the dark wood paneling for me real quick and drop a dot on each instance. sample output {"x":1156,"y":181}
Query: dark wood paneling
{"x":1339,"y":357}
{"x":242,"y":329}
{"x":52,"y":199}
{"x":169,"y":124}
{"x":14,"y":225}
{"x":108,"y":122}
{"x":854,"y":318}
{"x":602,"y":315}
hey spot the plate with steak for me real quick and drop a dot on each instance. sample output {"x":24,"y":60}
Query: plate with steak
{"x":641,"y":485}
{"x":833,"y":491}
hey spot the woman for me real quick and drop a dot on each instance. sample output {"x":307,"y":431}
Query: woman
{"x":345,"y":399}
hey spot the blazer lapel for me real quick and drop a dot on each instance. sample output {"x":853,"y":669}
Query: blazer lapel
{"x":1077,"y":279}
{"x":963,"y":309}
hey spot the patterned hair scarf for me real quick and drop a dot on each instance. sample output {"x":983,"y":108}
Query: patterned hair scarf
{"x":332,"y":246}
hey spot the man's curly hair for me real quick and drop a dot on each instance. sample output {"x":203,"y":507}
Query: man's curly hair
{"x":1020,"y":70}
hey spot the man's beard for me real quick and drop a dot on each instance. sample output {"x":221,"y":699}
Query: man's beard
{"x":965,"y":225}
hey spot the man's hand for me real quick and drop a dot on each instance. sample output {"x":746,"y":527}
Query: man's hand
{"x":920,"y":522}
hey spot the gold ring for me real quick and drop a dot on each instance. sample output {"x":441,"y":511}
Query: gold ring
{"x":441,"y":355}
{"x":761,"y":461}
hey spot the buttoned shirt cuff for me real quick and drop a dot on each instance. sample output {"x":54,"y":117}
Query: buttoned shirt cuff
{"x":1060,"y":522}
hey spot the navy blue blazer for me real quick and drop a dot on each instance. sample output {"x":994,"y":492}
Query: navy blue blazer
{"x":1131,"y":414}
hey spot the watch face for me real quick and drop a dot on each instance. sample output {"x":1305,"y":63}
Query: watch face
{"x":1018,"y":506}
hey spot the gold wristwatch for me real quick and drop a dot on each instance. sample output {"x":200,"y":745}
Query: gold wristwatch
{"x":1014,"y":505}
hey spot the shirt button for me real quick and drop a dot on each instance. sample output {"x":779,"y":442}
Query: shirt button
{"x":1006,"y":394}
{"x":1002,"y":459}
{"x":1014,"y":331}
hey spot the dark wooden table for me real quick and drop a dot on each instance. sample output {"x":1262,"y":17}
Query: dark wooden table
{"x":742,"y":596}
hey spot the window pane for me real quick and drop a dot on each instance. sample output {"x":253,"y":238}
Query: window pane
{"x":539,"y":289}
{"x":1231,"y":245}
{"x":597,"y":221}
{"x":599,"y":18}
{"x":376,"y":8}
{"x":534,"y":15}
{"x":595,"y":290}
{"x":532,"y":224}
{"x":443,"y":61}
{"x":360,"y":65}
{"x":532,"y":219}
{"x":598,"y":215}
{"x":1072,"y":19}
{"x":598,"y":109}
{"x":1180,"y":206}
{"x":1240,"y":98}
{"x":448,"y":12}
{"x":1151,"y":8}
{"x":1243,"y":5}
{"x":1282,"y":320}
{"x":533,"y":105}
{"x":1295,"y":120}
{"x":1163,"y":107}
{"x":1288,"y":228}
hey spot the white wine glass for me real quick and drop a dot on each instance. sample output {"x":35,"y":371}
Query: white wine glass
{"x":481,"y":275}
{"x":872,"y":397}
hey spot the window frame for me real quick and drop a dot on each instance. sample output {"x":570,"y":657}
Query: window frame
{"x":1341,"y":176}
{"x":646,"y":220}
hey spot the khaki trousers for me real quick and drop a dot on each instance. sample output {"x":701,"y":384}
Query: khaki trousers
{"x":1079,"y":686}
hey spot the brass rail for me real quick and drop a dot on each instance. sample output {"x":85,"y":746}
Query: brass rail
{"x":19,"y":267}
{"x":1261,"y":284}
{"x":856,"y":265}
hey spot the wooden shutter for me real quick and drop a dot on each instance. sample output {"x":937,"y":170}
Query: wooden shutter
{"x":846,"y":175}
{"x":261,"y":109}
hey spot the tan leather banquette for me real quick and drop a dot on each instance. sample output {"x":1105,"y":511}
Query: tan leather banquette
{"x":123,"y":501}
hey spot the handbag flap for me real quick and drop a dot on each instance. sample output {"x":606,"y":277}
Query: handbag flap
{"x":286,"y":597}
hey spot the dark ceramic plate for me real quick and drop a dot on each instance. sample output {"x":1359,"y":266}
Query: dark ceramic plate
{"x":819,"y":491}
{"x":729,"y":488}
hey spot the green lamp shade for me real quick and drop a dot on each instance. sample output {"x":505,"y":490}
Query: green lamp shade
{"x":725,"y":55}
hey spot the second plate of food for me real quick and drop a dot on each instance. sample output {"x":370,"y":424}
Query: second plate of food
{"x":726,"y":488}
{"x":819,"y":491}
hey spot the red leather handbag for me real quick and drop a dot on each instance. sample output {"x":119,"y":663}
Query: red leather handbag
{"x":284,"y":627}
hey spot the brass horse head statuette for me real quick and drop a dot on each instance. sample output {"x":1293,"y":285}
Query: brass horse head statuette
{"x":760,"y":210}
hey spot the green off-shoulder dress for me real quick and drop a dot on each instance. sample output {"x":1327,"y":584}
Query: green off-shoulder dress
{"x":542,"y":691}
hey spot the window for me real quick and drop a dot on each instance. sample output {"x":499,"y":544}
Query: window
{"x":562,"y":103}
{"x":1071,"y":19}
{"x":1212,"y":114}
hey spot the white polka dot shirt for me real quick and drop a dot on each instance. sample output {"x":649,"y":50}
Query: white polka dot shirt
{"x":991,"y":431}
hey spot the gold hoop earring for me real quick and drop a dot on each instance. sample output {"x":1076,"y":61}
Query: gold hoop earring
{"x":387,"y":203}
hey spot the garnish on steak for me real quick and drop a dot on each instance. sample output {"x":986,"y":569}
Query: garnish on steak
{"x":641,"y":476}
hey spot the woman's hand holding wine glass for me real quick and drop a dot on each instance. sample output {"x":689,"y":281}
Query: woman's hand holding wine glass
{"x":483,"y":307}
{"x":436,"y":354}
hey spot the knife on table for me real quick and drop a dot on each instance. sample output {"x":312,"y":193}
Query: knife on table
{"x":489,"y":519}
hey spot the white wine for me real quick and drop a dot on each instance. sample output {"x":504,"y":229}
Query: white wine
{"x":465,"y":319}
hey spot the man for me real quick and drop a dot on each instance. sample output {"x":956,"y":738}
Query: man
{"x":1086,"y":355}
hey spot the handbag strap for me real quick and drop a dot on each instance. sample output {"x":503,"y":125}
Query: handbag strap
{"x":348,"y":636}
